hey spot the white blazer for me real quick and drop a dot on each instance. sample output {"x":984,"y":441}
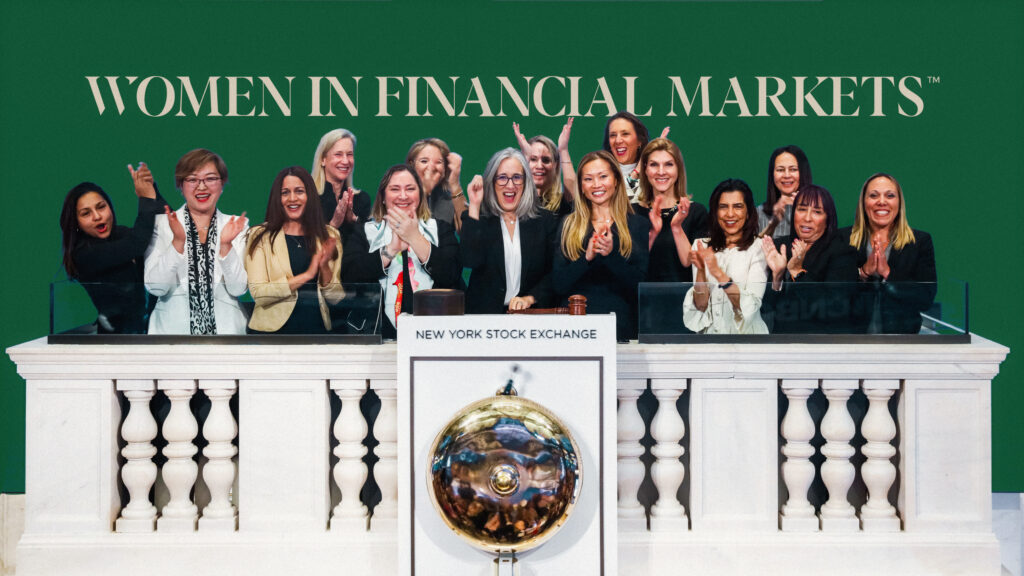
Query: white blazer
{"x":167,"y":279}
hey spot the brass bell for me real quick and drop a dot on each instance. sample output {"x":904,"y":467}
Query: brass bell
{"x":504,"y":473}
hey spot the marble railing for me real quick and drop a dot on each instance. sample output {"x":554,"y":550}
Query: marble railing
{"x":761,"y":458}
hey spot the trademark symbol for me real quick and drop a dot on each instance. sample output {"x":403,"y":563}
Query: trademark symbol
{"x":935,"y":80}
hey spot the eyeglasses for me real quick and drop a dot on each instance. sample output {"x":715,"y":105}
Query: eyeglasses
{"x":502,"y":179}
{"x":210,"y":181}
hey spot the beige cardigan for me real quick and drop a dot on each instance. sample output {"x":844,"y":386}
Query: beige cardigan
{"x":269,"y":271}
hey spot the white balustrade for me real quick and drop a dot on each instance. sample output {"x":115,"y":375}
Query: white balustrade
{"x":350,"y":471}
{"x":385,"y":429}
{"x":77,"y":523}
{"x":219,"y":430}
{"x":180,"y":471}
{"x":632,"y":516}
{"x":139,"y":471}
{"x":837,"y":472}
{"x":798,"y":470}
{"x":668,"y":472}
{"x":878,"y":471}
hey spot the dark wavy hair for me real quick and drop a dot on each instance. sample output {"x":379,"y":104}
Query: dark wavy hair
{"x":313,"y":227}
{"x":717,"y":241}
{"x":804,"y":165}
{"x":71,"y":235}
{"x":641,"y":131}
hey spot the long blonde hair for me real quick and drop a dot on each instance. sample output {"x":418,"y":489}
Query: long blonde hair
{"x":900,"y":233}
{"x":577,"y":223}
{"x":551,"y":195}
{"x":646,"y":195}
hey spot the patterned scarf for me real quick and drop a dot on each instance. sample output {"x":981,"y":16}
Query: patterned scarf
{"x":200,"y":276}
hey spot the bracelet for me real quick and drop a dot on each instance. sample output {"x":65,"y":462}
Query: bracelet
{"x":387,"y":255}
{"x":726,"y":284}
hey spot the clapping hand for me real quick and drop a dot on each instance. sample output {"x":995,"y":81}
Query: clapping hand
{"x":796,"y":263}
{"x":343,"y":212}
{"x":776,"y":259}
{"x":682,"y":209}
{"x":143,"y":180}
{"x":177,"y":230}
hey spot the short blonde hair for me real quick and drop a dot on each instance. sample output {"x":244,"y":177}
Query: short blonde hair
{"x":326,"y":143}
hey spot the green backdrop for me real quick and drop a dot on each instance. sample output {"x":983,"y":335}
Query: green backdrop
{"x":956,"y":149}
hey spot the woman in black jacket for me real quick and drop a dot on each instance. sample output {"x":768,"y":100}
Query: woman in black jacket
{"x":812,"y":288}
{"x":896,"y":264}
{"x":506,"y":241}
{"x":107,"y":259}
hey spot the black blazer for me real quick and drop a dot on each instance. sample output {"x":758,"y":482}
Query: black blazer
{"x":664,"y":265}
{"x":909,"y":290}
{"x":609,"y":282}
{"x":361,"y":205}
{"x":820,"y":301}
{"x":483,"y":250}
{"x":359,"y":265}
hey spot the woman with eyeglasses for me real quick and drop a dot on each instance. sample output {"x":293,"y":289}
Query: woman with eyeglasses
{"x":896,"y":264}
{"x":506,"y":241}
{"x":439,"y":169}
{"x":401,"y":247}
{"x":293,"y":260}
{"x":194,"y":263}
{"x":550,"y":169}
{"x":603,"y":253}
{"x":106,"y":258}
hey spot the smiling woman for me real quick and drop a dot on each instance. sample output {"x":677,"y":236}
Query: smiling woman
{"x":107,"y":258}
{"x":194,"y":261}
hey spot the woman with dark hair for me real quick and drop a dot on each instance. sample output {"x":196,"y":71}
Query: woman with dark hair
{"x":401,"y":246}
{"x":675,"y":219}
{"x":439,"y":170}
{"x":551,"y":169}
{"x":896,"y":264}
{"x":194,"y":261}
{"x":812,"y":288}
{"x":106,"y":258}
{"x":333,"y":167}
{"x":625,"y":136}
{"x":788,"y":171}
{"x":506,"y":241}
{"x":293,"y":260}
{"x":729,"y":267}
{"x":603,"y":253}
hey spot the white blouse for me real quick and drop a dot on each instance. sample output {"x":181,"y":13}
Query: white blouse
{"x":513,"y":260}
{"x":748,"y":270}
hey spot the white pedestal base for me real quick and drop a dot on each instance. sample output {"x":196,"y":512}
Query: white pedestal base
{"x":218,"y":524}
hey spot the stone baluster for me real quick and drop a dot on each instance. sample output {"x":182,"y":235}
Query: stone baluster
{"x":350,"y":515}
{"x":631,"y":470}
{"x":668,"y":428}
{"x":798,"y":471}
{"x":385,"y":429}
{"x":220,"y":429}
{"x":837,"y":472}
{"x":878,"y":471}
{"x":180,"y":472}
{"x":139,"y":472}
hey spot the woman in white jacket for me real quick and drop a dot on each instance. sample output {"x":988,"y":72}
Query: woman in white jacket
{"x":194,"y":264}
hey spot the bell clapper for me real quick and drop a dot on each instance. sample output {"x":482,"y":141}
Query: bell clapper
{"x":510,"y":386}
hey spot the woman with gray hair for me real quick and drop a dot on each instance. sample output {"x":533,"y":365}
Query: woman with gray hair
{"x":333,"y":165}
{"x":507,"y":241}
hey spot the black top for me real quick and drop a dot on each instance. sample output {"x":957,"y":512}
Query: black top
{"x":306,"y":317}
{"x":609,"y":282}
{"x":909,"y":290}
{"x":359,"y":265}
{"x":664,"y":259}
{"x":819,"y":301}
{"x":441,"y":206}
{"x":361,"y":205}
{"x":112,"y":271}
{"x":483,"y":250}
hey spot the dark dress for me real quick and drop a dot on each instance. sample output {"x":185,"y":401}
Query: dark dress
{"x":609,"y":282}
{"x":909,"y":290}
{"x":819,"y":301}
{"x":483,"y":250}
{"x":361,"y":205}
{"x":112,"y":271}
{"x":359,"y":265}
{"x":664,"y":263}
{"x":305,"y":318}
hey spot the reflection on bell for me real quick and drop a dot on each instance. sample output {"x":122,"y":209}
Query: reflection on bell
{"x":504,"y":474}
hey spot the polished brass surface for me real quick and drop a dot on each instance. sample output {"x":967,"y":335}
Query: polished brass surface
{"x":504,"y":473}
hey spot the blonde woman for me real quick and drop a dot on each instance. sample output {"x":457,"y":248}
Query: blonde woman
{"x":551,"y":169}
{"x":334,"y":163}
{"x":603,"y":252}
